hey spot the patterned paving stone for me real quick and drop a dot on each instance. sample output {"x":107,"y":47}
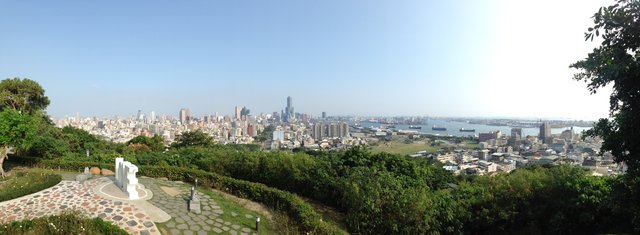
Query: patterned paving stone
{"x":79,"y":197}
{"x":217,"y":230}
{"x":182,"y":226}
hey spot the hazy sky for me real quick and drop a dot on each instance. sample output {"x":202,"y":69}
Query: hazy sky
{"x":438,"y":58}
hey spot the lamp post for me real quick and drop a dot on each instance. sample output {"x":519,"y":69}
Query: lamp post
{"x":257,"y":224}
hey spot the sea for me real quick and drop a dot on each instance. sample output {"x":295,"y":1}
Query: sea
{"x":453,"y":128}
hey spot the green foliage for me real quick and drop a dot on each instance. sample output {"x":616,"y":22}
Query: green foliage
{"x":27,"y":183}
{"x":67,"y":223}
{"x":155,"y":143}
{"x":22,"y":95}
{"x":16,"y":129}
{"x":556,"y":200}
{"x":193,"y":138}
{"x":307,"y":219}
{"x":265,"y":134}
{"x":616,"y":61}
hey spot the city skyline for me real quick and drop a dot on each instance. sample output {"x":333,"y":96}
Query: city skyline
{"x":408,"y":58}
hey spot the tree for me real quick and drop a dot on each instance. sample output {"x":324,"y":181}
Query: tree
{"x":16,"y":129}
{"x":193,"y":138}
{"x":616,"y":61}
{"x":23,"y":95}
{"x":155,"y":143}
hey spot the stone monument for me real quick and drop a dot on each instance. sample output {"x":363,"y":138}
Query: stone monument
{"x":194,"y":200}
{"x":126,"y":178}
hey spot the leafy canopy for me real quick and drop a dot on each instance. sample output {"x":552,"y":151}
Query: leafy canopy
{"x":24,"y":95}
{"x":193,"y":138}
{"x":16,"y":129}
{"x":616,"y":61}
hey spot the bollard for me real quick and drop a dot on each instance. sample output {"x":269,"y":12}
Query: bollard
{"x":193,"y":190}
{"x":257,"y":224}
{"x":196,"y":183}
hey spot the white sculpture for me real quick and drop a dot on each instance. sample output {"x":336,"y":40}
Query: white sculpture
{"x":126,"y":177}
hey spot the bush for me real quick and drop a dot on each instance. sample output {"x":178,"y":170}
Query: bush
{"x":27,"y":183}
{"x":62,"y":224}
{"x":301,"y":212}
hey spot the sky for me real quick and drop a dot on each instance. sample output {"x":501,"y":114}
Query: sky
{"x":345,"y":57}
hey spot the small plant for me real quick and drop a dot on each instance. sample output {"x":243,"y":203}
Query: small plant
{"x":24,"y":183}
{"x":67,"y":223}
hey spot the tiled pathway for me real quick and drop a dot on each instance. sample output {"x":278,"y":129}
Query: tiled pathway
{"x":76,"y":196}
{"x":183,"y":222}
{"x":70,"y":196}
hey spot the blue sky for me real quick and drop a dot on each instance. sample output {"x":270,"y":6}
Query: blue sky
{"x":437,"y":58}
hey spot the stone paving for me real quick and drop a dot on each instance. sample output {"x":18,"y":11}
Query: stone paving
{"x":75,"y":196}
{"x":174,"y":202}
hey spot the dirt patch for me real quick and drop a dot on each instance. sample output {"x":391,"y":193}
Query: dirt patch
{"x":250,"y":205}
{"x":171,"y":191}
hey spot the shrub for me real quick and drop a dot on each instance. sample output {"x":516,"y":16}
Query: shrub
{"x":68,"y":223}
{"x":27,"y":183}
{"x":301,"y":212}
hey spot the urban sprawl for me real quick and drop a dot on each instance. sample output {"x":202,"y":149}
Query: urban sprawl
{"x":481,"y":153}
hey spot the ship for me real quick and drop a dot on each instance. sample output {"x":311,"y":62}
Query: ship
{"x":415,"y":127}
{"x":467,"y":130}
{"x":437,"y":128}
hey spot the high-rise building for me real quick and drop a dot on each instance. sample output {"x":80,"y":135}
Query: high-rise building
{"x":185,"y":116}
{"x":324,"y":115}
{"x":516,"y":134}
{"x":152,"y":116}
{"x":545,"y":133}
{"x":323,"y":130}
{"x":238,"y":112}
{"x":318,"y":131}
{"x":289,"y":115}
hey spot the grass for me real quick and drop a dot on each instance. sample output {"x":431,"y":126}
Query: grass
{"x":228,"y":204}
{"x":399,"y":147}
{"x":68,"y":223}
{"x":24,"y":182}
{"x":328,"y":213}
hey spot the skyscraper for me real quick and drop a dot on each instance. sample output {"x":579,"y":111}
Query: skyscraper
{"x":545,"y":133}
{"x":153,"y":116}
{"x":289,"y":115}
{"x":516,"y":133}
{"x":185,"y":116}
{"x":238,"y":110}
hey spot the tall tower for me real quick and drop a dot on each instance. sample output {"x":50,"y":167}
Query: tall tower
{"x":153,"y":116}
{"x":238,"y":110}
{"x":184,"y":116}
{"x":289,"y":114}
{"x":545,"y":133}
{"x":516,"y":133}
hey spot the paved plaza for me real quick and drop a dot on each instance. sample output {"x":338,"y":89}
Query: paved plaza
{"x":166,"y":203}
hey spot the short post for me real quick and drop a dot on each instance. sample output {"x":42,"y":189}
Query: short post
{"x":193,"y":191}
{"x":257,"y":224}
{"x":196,"y":183}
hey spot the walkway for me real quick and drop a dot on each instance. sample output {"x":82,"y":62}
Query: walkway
{"x":171,"y":196}
{"x":70,"y":196}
